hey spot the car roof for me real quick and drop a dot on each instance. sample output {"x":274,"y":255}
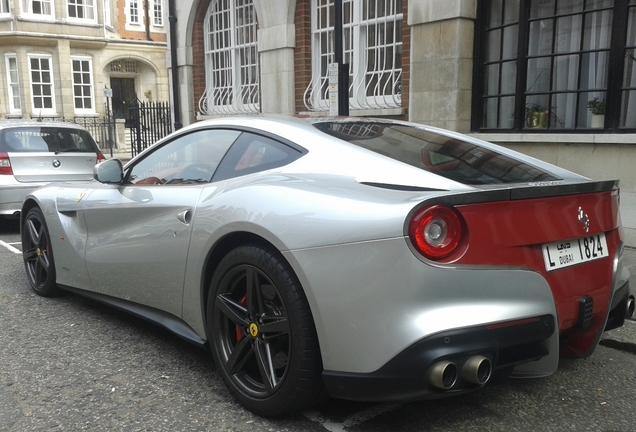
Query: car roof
{"x":13,"y":123}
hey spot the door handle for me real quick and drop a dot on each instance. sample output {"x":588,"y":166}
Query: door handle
{"x":185,"y":217}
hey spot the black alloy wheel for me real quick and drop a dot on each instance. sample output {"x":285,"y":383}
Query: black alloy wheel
{"x":262,"y":333}
{"x":38,"y":254}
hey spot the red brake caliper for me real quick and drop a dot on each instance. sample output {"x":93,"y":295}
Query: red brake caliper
{"x":239,"y":330}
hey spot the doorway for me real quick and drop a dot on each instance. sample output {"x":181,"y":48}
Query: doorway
{"x":123,"y":95}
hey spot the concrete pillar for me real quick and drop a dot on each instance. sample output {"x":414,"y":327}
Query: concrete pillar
{"x":63,"y":83}
{"x":442,"y":34}
{"x":276,"y":43}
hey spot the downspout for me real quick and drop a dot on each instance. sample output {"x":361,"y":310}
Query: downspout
{"x":147,"y":14}
{"x":176,"y":103}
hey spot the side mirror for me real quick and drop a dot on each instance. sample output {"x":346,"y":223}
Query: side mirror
{"x":110,"y":171}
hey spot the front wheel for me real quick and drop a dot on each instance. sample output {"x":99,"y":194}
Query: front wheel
{"x":262,"y":333}
{"x":38,"y":254}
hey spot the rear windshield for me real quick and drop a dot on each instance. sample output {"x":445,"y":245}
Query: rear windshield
{"x":448,"y":157}
{"x":46,"y":139}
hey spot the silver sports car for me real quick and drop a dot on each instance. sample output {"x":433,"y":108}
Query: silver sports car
{"x":361,"y":259}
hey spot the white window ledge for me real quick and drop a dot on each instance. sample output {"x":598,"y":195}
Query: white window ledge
{"x":559,"y":138}
{"x":381,"y":112}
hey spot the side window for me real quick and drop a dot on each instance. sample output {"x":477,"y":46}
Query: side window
{"x":253,"y":153}
{"x":188,"y":159}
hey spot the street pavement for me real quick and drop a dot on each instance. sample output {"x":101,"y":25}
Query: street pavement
{"x":70,"y":364}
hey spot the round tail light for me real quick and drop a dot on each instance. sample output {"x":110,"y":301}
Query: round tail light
{"x":436,"y":231}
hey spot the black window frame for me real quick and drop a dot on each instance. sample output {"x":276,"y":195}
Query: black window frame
{"x":615,"y":79}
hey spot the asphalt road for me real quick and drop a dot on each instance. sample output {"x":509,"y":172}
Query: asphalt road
{"x":70,"y":364}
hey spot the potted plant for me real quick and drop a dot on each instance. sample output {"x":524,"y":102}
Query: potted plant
{"x":597,"y":108}
{"x":536,"y":115}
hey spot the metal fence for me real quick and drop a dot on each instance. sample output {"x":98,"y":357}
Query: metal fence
{"x":149,"y":122}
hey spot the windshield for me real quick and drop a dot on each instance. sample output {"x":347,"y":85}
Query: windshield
{"x":46,"y":139}
{"x":448,"y":157}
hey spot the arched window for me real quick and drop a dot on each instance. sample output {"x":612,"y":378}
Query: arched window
{"x":231,"y":59}
{"x":372,"y":36}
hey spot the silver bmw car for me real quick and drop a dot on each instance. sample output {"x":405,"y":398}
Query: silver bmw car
{"x":33,"y":153}
{"x":370,"y":260}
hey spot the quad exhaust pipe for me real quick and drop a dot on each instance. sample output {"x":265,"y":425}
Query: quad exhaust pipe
{"x":629,"y":310}
{"x":476,"y":370}
{"x":443,"y":375}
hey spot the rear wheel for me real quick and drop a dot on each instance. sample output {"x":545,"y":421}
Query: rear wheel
{"x":262,"y":333}
{"x":38,"y":254}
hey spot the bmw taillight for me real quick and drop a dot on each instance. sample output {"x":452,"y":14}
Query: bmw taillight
{"x":436,"y":231}
{"x":5,"y":164}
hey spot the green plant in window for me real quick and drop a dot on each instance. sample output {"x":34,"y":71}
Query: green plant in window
{"x":536,"y":115}
{"x":596,"y":106}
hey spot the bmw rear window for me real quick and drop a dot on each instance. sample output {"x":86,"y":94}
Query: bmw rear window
{"x":46,"y":139}
{"x":448,"y":157}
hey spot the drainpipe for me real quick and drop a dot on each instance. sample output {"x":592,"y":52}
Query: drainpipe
{"x":147,"y":14}
{"x":176,"y":103}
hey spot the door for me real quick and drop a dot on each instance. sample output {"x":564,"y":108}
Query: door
{"x":123,"y":95}
{"x":139,"y":232}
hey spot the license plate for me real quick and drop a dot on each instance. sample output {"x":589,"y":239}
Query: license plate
{"x":567,"y":253}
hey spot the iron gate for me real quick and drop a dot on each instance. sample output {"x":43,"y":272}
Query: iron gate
{"x":149,"y":122}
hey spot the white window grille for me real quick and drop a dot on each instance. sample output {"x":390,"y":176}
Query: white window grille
{"x":231,"y":59}
{"x":133,"y":11}
{"x":157,"y":13}
{"x":372,"y":37}
{"x":83,"y":85}
{"x":81,"y":9}
{"x":13,"y":84}
{"x":42,"y":91}
{"x":106,"y":6}
{"x":4,"y":7}
{"x":38,"y":7}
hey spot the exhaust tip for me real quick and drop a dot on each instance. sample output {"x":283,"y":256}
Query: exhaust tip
{"x":477,"y":370}
{"x":443,"y":375}
{"x":631,"y":304}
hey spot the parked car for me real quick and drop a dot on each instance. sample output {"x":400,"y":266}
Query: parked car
{"x":370,"y":260}
{"x":33,"y":153}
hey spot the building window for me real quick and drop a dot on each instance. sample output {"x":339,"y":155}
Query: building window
{"x":13,"y":84}
{"x":133,"y":11}
{"x":4,"y":7}
{"x":82,"y":85}
{"x":374,"y":28}
{"x":38,"y":7}
{"x":231,"y":58}
{"x":546,"y":65}
{"x":157,"y":13}
{"x":127,"y":66}
{"x":81,"y":9}
{"x":42,"y":95}
{"x":106,"y":6}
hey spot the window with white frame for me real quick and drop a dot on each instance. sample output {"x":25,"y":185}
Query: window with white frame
{"x":374,"y":29}
{"x":157,"y":13}
{"x":106,"y":6}
{"x":4,"y":7}
{"x":38,"y":7}
{"x":231,"y":58}
{"x":82,"y":85}
{"x":42,"y":90}
{"x":81,"y":9}
{"x":133,"y":11}
{"x":13,"y":84}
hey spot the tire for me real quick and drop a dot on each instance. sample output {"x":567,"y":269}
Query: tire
{"x":262,"y":334}
{"x":38,"y":254}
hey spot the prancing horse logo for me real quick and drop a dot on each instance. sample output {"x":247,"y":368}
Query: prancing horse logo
{"x":584,"y":219}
